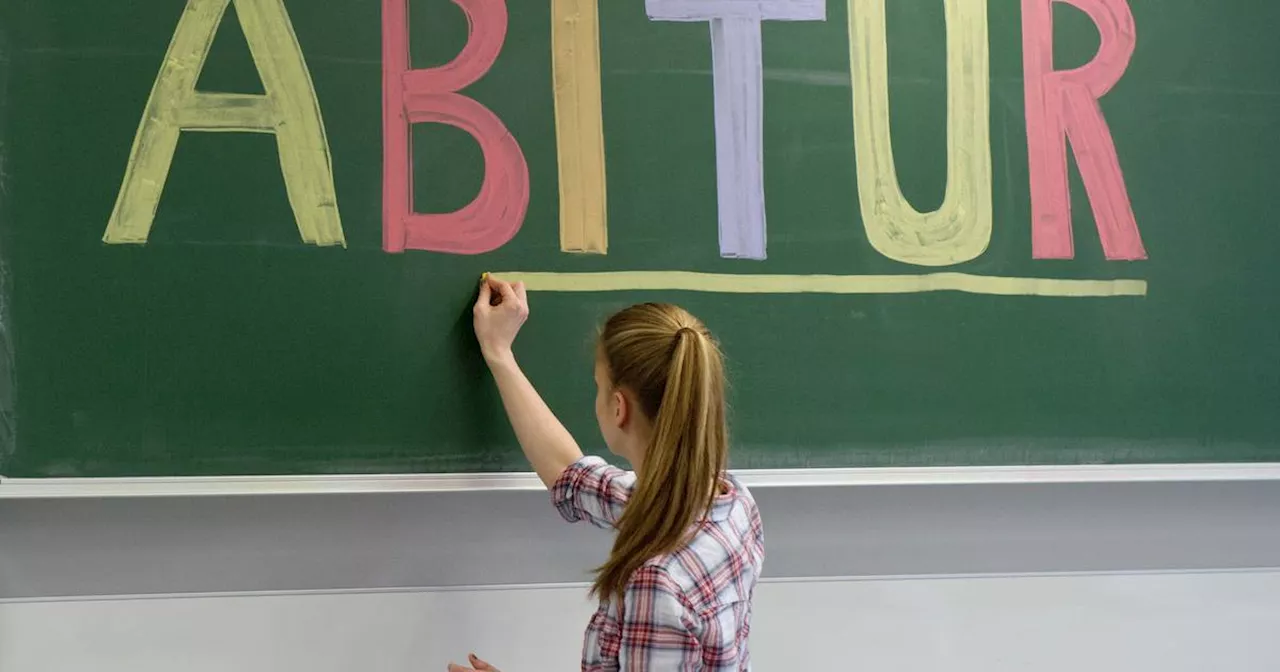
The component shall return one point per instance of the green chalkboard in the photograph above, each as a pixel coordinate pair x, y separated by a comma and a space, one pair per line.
226, 344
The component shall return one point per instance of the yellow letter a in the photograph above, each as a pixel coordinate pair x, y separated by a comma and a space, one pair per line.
289, 110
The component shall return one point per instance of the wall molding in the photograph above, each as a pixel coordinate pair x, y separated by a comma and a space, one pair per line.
584, 586
224, 486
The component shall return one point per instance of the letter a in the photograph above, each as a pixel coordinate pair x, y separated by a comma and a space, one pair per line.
288, 110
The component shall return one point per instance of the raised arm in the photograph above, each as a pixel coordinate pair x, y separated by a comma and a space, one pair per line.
498, 315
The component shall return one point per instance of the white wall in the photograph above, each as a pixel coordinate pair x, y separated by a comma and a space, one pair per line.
1084, 577
1167, 622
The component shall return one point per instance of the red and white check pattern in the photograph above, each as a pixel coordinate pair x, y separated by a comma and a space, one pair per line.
687, 610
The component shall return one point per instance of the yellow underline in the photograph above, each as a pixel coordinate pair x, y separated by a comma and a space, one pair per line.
731, 283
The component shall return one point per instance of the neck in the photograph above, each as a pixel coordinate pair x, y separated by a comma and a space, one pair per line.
635, 451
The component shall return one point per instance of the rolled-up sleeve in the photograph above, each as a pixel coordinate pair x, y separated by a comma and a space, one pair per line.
592, 490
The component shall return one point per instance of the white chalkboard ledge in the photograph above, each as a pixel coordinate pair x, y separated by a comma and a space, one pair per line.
223, 486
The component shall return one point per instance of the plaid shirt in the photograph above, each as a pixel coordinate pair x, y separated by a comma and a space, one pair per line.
687, 610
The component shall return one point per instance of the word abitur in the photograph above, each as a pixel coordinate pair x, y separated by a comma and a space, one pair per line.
1061, 106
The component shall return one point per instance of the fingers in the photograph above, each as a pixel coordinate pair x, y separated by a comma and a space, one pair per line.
477, 665
500, 309
500, 292
495, 289
486, 295
493, 283
508, 292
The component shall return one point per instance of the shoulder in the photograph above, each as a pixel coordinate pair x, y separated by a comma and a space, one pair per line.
739, 493
737, 515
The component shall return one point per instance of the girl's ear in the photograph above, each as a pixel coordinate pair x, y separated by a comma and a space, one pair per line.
621, 409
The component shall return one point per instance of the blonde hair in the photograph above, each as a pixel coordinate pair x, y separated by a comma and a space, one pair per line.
668, 360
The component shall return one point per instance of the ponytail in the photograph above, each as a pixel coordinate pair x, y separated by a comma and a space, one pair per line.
672, 364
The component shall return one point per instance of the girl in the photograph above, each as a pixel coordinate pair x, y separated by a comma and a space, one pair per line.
675, 593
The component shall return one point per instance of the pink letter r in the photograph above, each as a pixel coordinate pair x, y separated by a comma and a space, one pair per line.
1064, 104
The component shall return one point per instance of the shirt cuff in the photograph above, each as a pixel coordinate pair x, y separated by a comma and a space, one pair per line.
567, 486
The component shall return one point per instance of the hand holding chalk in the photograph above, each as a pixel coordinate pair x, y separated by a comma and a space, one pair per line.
500, 311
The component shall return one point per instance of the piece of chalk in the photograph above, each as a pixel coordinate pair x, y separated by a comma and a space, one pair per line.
484, 276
